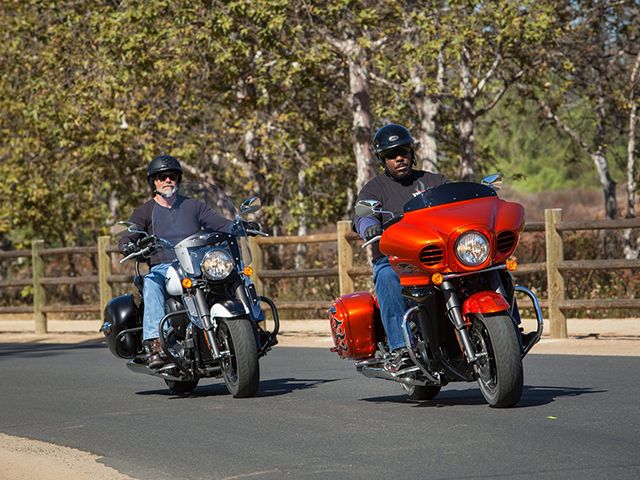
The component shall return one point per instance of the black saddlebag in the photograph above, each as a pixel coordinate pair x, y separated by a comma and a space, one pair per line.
121, 314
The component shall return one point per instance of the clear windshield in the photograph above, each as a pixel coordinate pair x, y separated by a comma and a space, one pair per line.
243, 241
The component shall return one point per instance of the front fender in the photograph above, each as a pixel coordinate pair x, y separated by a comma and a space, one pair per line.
485, 303
228, 309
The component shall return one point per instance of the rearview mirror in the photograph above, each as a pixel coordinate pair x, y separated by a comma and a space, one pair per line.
122, 227
367, 208
494, 181
250, 205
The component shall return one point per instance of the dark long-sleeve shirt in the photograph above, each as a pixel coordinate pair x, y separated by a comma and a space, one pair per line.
185, 217
393, 194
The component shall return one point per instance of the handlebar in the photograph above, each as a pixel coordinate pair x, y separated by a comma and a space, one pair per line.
257, 233
140, 253
371, 240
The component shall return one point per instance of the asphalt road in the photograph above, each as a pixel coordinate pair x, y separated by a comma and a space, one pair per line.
317, 418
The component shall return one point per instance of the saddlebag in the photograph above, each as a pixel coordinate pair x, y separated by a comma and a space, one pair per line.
122, 313
355, 325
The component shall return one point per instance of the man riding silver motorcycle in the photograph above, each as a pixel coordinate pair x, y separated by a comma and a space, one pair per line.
173, 217
198, 269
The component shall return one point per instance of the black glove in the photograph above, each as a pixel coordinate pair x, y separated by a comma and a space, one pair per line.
372, 231
251, 225
129, 248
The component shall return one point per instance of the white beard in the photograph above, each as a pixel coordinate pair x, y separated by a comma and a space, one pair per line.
168, 193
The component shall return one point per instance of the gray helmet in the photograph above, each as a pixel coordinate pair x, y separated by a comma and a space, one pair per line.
389, 137
160, 164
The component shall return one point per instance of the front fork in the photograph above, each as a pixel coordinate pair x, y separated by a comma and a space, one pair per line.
208, 324
454, 312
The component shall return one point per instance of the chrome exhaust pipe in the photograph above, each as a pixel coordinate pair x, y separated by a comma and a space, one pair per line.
376, 372
162, 373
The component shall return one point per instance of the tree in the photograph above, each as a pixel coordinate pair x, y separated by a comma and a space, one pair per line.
588, 72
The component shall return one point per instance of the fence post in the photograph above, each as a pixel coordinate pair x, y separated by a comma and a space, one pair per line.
555, 282
39, 297
257, 256
104, 271
345, 257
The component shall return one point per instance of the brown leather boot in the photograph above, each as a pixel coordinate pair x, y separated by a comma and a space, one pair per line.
157, 357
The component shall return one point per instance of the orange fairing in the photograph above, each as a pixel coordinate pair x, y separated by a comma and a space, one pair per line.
423, 241
352, 319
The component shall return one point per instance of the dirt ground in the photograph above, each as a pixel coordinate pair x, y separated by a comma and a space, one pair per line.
26, 459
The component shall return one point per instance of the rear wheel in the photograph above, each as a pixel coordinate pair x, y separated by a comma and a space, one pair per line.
420, 392
499, 364
181, 387
240, 369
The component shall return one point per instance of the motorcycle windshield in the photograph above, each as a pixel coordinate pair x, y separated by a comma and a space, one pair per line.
449, 193
165, 252
243, 241
192, 249
173, 244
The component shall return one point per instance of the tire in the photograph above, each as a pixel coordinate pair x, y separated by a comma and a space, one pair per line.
240, 370
499, 364
181, 387
421, 393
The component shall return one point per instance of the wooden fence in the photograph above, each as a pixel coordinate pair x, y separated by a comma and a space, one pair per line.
555, 267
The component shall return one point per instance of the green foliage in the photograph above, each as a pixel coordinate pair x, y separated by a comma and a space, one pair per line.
253, 96
532, 156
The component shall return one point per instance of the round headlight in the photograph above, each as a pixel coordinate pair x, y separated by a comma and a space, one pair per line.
217, 264
472, 248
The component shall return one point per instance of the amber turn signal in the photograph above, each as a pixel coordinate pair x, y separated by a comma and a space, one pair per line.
437, 278
248, 271
511, 264
187, 283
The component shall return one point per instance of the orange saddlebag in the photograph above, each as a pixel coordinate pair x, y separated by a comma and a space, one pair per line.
353, 325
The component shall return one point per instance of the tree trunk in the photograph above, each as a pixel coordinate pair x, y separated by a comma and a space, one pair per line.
427, 108
360, 100
466, 124
631, 251
301, 249
600, 160
607, 184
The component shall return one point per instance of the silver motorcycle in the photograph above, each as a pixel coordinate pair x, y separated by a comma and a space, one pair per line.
214, 322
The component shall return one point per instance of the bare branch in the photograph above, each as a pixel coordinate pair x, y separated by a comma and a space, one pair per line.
496, 98
490, 73
384, 81
551, 115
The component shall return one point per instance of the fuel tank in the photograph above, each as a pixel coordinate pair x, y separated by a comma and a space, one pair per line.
355, 325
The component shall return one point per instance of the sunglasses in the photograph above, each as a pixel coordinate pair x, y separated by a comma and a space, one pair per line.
161, 177
396, 152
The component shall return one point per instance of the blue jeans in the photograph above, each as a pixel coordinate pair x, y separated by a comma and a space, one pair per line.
392, 305
154, 294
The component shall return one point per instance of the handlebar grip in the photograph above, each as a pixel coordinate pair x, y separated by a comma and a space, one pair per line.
146, 241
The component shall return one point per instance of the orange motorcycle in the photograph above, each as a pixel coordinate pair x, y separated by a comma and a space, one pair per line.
451, 248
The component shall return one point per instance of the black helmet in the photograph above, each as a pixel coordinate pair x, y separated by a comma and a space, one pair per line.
163, 163
391, 136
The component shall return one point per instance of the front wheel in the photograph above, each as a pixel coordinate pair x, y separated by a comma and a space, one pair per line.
240, 368
499, 363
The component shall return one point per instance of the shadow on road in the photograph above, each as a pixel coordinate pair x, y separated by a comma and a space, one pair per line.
282, 386
35, 350
268, 388
532, 396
